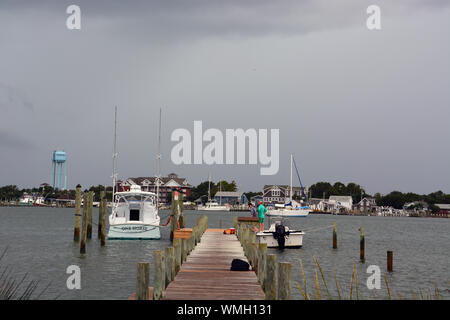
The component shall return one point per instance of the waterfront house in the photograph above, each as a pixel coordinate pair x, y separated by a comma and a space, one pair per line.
366, 204
279, 194
444, 210
231, 198
167, 184
341, 203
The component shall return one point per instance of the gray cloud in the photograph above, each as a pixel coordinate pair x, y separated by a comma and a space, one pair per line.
352, 105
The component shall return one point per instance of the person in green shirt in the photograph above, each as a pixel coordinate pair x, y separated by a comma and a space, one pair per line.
261, 211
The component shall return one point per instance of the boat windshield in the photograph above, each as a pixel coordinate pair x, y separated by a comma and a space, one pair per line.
133, 198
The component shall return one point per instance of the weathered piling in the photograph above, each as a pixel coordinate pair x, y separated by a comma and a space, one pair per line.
170, 265
390, 261
103, 219
183, 250
89, 214
100, 213
142, 281
270, 281
262, 255
76, 231
159, 282
361, 245
178, 259
84, 224
284, 281
335, 236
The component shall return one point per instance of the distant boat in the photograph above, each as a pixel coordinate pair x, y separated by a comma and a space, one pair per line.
134, 213
212, 205
290, 208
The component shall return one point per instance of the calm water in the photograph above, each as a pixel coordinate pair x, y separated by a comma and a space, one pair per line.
40, 243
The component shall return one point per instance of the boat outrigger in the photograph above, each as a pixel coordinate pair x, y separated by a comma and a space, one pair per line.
134, 213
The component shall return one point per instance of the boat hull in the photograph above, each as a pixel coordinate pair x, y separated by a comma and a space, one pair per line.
131, 231
288, 213
213, 209
294, 240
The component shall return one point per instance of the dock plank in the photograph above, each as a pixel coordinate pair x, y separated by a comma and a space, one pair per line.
206, 274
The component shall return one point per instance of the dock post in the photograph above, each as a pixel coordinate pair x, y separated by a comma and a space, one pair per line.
335, 236
159, 282
284, 281
390, 261
177, 247
183, 250
89, 217
262, 253
103, 218
100, 213
76, 231
270, 286
254, 250
220, 223
84, 224
142, 281
170, 265
362, 245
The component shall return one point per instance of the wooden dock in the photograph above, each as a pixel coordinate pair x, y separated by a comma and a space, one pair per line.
206, 275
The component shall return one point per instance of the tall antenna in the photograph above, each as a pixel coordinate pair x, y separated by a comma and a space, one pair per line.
114, 174
158, 165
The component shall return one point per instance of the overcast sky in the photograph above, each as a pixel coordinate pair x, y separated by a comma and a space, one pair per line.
351, 104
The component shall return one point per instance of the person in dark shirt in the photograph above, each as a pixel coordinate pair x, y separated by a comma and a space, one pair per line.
252, 210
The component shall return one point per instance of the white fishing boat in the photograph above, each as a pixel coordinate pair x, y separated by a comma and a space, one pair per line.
134, 213
290, 208
212, 205
279, 235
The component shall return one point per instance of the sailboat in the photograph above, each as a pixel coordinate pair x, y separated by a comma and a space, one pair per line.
134, 213
290, 208
212, 205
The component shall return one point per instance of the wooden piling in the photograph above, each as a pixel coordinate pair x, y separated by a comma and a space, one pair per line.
284, 281
270, 286
361, 245
159, 282
142, 281
183, 250
177, 247
84, 224
100, 213
89, 214
220, 223
335, 236
76, 231
103, 230
390, 261
170, 265
262, 255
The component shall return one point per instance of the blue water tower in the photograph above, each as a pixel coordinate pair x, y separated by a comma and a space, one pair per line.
59, 170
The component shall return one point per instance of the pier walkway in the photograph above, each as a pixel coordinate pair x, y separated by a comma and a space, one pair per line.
206, 275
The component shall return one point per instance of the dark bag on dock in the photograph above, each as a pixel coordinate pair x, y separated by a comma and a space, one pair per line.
239, 265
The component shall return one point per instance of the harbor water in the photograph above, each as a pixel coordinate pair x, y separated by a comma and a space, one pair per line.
39, 243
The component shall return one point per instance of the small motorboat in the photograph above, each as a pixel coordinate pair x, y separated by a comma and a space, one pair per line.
280, 236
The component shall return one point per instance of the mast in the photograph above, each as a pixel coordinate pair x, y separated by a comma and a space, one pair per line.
220, 191
158, 174
209, 187
290, 192
114, 174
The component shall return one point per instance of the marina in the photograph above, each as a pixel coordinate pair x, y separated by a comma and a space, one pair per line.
109, 272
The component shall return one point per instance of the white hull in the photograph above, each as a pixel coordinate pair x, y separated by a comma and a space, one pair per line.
294, 239
213, 208
289, 212
134, 231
